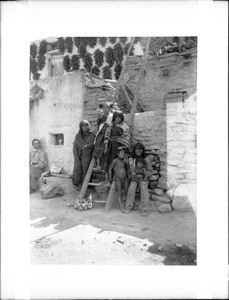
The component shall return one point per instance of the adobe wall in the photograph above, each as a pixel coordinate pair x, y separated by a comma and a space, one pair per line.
163, 74
60, 111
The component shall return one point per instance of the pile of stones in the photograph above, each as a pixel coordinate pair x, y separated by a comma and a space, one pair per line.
161, 200
156, 167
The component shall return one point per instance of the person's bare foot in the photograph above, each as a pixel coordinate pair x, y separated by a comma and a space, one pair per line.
126, 210
145, 212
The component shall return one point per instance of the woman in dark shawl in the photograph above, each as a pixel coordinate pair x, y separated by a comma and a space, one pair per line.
82, 150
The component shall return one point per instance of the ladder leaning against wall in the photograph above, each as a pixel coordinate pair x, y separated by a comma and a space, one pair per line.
110, 200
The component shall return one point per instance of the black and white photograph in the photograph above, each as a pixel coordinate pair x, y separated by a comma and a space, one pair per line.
113, 158
114, 150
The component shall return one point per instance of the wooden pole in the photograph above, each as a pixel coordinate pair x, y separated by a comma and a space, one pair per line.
111, 197
127, 96
123, 69
87, 178
137, 89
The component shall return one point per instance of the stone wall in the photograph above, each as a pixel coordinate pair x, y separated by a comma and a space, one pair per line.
59, 112
163, 74
172, 135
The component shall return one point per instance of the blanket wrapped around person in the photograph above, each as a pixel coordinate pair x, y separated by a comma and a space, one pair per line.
82, 150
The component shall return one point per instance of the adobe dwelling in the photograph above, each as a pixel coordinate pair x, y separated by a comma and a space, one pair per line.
165, 121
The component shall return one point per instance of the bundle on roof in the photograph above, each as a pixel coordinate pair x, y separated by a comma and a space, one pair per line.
93, 81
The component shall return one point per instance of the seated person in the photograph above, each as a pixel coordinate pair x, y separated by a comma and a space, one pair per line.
38, 162
139, 180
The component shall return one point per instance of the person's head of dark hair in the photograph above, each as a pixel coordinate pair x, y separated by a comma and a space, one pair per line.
101, 105
140, 159
121, 148
119, 114
82, 123
35, 140
139, 145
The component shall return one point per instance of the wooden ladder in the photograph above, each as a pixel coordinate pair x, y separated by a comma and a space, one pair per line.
111, 199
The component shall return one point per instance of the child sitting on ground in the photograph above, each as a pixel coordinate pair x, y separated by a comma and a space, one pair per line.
120, 167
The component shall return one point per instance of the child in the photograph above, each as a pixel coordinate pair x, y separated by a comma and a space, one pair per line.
103, 122
120, 165
140, 173
138, 180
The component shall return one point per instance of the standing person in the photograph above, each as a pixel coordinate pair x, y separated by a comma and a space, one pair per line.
138, 154
82, 150
38, 162
116, 135
120, 168
103, 123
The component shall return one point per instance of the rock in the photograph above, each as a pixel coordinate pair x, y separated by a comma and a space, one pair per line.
152, 178
164, 208
159, 248
167, 183
120, 240
158, 192
157, 203
178, 245
170, 193
191, 175
164, 199
155, 147
189, 158
172, 162
184, 197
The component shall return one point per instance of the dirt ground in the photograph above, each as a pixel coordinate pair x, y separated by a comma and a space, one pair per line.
64, 235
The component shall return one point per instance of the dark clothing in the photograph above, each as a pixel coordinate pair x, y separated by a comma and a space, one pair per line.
82, 151
99, 141
117, 137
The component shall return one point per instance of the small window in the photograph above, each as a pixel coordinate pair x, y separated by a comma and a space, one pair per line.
174, 100
57, 139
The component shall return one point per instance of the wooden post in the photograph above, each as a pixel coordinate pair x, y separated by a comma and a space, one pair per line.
137, 89
111, 199
123, 69
125, 92
87, 178
128, 98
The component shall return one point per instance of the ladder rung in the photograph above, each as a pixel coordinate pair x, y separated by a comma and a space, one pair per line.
99, 184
